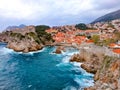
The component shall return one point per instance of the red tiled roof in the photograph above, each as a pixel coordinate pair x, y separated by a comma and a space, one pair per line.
112, 45
89, 41
116, 51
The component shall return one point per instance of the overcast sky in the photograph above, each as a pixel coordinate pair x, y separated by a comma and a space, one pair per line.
53, 12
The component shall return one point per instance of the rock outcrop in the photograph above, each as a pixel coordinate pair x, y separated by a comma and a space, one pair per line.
106, 69
26, 39
59, 49
24, 46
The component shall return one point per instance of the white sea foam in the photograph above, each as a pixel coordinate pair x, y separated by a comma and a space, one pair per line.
5, 50
66, 57
64, 61
83, 82
69, 53
70, 88
31, 53
76, 64
36, 51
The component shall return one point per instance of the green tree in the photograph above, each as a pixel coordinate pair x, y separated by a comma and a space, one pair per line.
81, 26
96, 38
108, 41
34, 36
17, 35
43, 36
40, 30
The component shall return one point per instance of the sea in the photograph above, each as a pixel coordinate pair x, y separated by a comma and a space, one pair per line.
41, 70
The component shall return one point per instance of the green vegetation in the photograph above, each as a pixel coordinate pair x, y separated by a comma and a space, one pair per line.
34, 36
81, 26
96, 38
39, 36
106, 62
43, 36
40, 30
97, 41
17, 35
107, 41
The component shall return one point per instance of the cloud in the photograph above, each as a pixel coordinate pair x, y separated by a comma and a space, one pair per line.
17, 9
53, 12
106, 4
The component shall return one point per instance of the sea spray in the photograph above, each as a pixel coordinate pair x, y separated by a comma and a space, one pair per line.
5, 50
81, 77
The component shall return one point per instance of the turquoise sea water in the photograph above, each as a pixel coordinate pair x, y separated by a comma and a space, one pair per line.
42, 70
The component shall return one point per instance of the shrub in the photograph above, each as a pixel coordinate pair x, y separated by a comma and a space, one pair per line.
81, 26
95, 38
40, 30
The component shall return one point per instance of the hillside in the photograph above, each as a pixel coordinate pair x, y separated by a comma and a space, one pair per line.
108, 17
29, 38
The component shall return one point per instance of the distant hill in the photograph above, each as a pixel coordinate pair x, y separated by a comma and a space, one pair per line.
14, 27
108, 17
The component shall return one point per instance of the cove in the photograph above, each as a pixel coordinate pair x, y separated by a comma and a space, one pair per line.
41, 70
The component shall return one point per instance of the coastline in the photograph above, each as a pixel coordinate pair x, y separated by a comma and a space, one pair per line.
105, 67
59, 62
93, 62
101, 62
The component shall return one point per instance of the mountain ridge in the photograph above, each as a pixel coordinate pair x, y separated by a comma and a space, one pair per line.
108, 17
14, 27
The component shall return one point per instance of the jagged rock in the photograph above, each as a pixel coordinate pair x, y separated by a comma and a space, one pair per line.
96, 76
77, 58
59, 50
88, 68
24, 46
105, 68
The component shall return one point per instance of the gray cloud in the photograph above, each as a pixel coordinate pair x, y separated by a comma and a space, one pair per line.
106, 4
53, 12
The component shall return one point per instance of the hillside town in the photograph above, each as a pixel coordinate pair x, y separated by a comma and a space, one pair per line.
99, 51
104, 30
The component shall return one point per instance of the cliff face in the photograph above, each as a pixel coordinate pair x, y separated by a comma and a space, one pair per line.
105, 68
26, 39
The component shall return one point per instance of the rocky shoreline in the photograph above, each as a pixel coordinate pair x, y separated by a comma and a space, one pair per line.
106, 69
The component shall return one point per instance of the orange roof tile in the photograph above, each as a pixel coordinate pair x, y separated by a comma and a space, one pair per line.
116, 51
89, 41
112, 45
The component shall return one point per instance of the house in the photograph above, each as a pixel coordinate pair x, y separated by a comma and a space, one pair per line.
117, 52
92, 32
113, 45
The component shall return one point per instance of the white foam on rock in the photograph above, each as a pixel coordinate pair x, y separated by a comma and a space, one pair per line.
5, 50
78, 64
31, 53
82, 82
